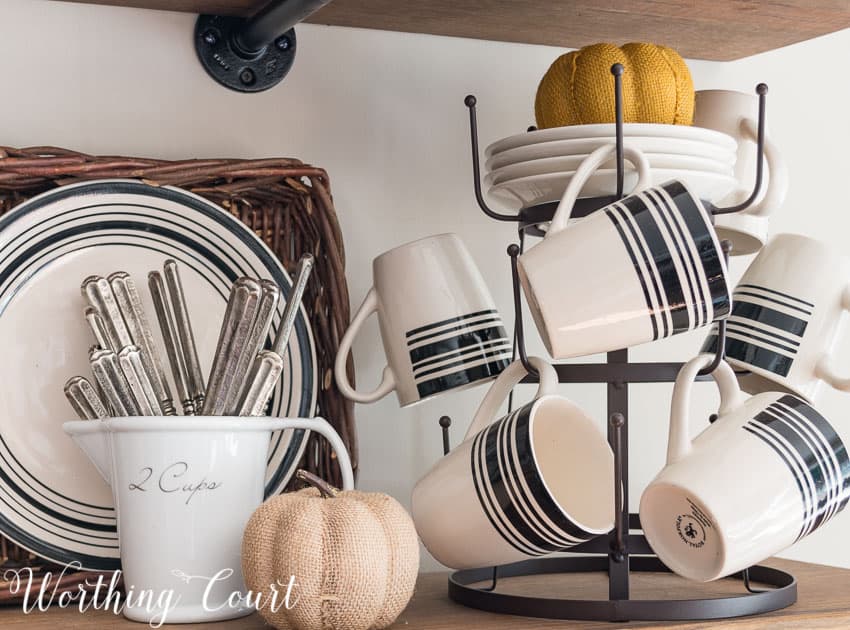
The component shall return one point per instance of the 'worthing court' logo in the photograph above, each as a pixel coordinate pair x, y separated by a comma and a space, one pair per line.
105, 593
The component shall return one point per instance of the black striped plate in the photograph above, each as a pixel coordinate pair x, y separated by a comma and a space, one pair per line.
52, 501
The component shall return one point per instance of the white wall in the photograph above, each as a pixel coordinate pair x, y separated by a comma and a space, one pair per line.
383, 113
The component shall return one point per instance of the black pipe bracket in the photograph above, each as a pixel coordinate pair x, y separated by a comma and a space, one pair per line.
252, 54
235, 67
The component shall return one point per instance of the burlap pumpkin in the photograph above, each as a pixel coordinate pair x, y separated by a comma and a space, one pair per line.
354, 555
578, 88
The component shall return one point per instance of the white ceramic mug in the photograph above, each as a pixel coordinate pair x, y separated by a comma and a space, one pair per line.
644, 268
767, 473
787, 318
184, 489
736, 114
439, 325
538, 480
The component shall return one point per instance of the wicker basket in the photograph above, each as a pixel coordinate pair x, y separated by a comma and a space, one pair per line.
288, 205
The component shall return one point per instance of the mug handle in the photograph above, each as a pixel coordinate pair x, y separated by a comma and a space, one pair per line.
502, 386
679, 441
322, 427
777, 187
823, 369
586, 169
388, 383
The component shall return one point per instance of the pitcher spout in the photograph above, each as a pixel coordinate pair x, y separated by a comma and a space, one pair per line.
91, 436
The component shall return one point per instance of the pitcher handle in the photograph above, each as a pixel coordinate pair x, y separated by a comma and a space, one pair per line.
323, 427
502, 386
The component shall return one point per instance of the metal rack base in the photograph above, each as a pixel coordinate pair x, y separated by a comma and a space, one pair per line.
782, 595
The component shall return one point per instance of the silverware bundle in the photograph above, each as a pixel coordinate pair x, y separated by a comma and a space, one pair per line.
129, 376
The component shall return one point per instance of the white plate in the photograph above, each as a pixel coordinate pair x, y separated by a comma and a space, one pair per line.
583, 146
684, 132
52, 500
536, 189
567, 164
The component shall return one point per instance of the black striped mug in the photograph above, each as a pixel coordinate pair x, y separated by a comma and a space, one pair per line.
768, 472
786, 319
439, 325
644, 268
538, 480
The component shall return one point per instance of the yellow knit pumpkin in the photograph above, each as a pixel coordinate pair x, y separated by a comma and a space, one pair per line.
353, 558
578, 88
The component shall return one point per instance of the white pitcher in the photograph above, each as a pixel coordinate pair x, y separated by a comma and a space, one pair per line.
184, 489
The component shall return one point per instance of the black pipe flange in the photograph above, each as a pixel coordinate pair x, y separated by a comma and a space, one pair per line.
234, 67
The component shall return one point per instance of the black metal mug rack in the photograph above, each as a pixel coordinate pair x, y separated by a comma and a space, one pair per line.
621, 552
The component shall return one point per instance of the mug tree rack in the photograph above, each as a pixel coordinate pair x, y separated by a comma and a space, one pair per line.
621, 552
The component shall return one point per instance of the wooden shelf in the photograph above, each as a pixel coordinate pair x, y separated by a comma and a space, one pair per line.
719, 30
822, 604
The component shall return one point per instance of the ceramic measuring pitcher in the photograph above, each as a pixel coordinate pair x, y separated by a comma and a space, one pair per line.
184, 488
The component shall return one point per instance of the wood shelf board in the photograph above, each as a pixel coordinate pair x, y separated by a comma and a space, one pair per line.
823, 604
212, 7
719, 30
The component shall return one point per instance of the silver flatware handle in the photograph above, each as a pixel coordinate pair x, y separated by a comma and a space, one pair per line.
107, 373
130, 361
98, 292
172, 340
269, 297
264, 374
184, 330
98, 328
85, 399
239, 317
290, 312
130, 304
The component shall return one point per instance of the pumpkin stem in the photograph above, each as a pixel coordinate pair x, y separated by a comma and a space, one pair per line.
327, 490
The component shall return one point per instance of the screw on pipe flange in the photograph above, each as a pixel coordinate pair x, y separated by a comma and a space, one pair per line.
247, 76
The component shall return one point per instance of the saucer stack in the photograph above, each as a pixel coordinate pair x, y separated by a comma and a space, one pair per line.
533, 168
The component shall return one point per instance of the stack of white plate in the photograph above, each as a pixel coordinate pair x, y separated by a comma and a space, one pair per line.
535, 167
